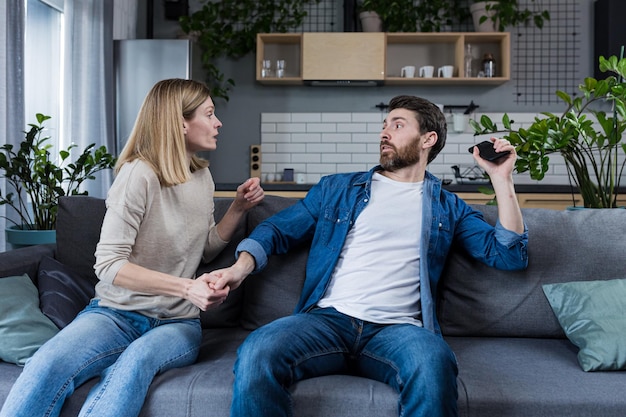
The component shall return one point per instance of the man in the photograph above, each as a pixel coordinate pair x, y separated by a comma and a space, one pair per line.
379, 243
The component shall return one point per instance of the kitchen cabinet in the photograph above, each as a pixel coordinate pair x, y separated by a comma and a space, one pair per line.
380, 56
343, 56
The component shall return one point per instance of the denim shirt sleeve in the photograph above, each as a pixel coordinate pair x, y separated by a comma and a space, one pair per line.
508, 237
255, 249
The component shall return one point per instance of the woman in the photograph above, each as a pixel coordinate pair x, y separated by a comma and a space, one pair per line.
144, 318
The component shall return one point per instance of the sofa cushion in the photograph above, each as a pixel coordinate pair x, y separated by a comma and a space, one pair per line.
78, 231
274, 292
593, 316
522, 377
62, 292
23, 327
476, 300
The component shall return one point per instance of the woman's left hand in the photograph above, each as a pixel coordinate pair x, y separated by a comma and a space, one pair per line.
249, 194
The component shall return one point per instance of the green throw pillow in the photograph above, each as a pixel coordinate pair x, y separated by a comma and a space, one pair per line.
593, 316
23, 327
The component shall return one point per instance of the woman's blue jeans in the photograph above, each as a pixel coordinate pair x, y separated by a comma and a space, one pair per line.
417, 363
125, 349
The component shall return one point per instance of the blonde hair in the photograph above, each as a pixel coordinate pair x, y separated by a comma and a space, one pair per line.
158, 137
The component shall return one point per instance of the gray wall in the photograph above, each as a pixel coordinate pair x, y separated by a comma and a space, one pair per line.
241, 115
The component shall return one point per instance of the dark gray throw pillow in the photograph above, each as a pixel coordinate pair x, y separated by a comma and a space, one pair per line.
62, 292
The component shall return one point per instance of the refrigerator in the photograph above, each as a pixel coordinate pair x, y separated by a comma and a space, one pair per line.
139, 64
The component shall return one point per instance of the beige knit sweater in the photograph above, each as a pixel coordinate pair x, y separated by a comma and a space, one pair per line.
166, 229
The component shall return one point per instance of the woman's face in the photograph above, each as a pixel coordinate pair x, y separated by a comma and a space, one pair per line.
202, 129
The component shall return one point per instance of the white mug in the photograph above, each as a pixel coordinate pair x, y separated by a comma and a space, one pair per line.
446, 71
427, 71
300, 178
407, 72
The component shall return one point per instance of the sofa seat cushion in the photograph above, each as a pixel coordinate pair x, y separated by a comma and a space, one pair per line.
205, 388
532, 377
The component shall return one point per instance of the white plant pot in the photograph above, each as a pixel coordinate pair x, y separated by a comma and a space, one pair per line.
371, 22
479, 10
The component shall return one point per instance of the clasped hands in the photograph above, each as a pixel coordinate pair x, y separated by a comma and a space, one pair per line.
204, 295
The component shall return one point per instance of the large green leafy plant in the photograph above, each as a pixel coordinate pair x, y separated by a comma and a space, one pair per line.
588, 135
37, 179
228, 29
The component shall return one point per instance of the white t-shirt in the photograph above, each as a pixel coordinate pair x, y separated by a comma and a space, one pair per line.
377, 276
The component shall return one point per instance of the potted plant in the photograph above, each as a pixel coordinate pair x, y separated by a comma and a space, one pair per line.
228, 29
491, 16
35, 179
411, 16
371, 20
586, 135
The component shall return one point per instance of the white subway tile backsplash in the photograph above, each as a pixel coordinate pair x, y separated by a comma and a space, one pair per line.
306, 117
352, 127
290, 148
336, 117
375, 118
324, 143
275, 138
291, 127
336, 158
306, 157
321, 127
306, 137
352, 148
275, 117
321, 148
336, 137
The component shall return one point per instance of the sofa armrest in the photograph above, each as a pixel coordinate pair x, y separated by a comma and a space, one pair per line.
24, 260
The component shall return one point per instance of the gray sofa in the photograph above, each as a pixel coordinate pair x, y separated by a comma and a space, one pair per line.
514, 359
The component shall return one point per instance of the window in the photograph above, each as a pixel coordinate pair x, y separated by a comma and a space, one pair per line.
43, 64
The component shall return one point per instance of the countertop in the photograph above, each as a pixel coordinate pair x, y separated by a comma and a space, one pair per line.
457, 188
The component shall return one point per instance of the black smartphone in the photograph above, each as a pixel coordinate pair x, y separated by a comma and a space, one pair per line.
487, 152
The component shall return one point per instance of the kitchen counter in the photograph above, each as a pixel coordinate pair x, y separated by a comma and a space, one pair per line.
455, 188
557, 197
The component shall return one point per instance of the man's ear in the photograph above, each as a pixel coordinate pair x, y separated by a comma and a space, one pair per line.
430, 139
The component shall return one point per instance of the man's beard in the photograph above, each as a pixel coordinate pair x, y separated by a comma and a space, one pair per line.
400, 158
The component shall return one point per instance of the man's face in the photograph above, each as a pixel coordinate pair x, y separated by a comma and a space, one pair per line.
400, 140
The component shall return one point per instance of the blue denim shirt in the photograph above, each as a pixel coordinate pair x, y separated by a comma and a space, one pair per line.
330, 209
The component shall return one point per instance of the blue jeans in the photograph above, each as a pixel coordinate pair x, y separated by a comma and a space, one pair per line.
125, 349
416, 362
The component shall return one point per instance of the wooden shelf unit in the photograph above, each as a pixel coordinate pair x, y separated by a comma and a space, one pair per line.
380, 56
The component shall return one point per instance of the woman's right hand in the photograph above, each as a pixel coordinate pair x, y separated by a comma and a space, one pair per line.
202, 293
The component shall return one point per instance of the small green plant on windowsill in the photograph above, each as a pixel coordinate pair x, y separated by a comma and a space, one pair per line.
589, 139
36, 179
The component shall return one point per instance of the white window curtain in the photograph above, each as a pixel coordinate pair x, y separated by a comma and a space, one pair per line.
125, 19
12, 20
88, 87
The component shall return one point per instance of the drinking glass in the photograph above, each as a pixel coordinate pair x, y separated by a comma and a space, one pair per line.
266, 71
280, 68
